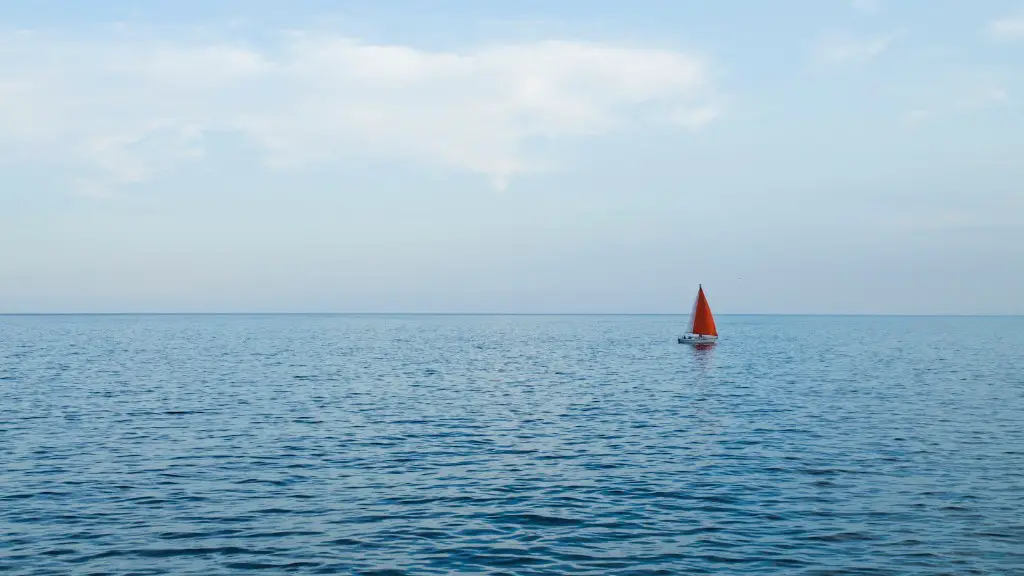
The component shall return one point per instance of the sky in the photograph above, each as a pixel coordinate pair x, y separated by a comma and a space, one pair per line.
521, 156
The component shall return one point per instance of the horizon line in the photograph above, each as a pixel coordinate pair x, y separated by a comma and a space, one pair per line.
722, 314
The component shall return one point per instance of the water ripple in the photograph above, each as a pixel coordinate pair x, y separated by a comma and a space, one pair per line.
510, 445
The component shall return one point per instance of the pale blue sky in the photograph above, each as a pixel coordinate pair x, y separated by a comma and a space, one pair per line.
527, 156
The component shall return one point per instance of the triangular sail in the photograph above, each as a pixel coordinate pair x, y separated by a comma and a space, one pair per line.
702, 322
693, 315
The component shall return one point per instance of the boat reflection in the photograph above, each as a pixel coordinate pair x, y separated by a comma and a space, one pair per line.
703, 354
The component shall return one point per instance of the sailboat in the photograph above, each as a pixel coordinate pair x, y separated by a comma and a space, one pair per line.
702, 328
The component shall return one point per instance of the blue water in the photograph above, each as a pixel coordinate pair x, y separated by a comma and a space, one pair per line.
510, 444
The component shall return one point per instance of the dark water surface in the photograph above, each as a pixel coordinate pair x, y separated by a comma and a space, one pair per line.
513, 445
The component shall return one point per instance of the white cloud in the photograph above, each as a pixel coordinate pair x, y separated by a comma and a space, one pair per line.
125, 107
842, 49
1008, 29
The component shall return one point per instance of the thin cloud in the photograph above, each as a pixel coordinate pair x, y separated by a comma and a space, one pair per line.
122, 109
1008, 29
917, 116
968, 97
866, 6
843, 49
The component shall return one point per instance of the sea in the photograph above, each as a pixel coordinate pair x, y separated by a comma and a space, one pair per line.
475, 444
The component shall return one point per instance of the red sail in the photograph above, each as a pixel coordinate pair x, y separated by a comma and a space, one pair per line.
703, 321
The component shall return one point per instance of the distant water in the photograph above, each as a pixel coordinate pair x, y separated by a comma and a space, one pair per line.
513, 445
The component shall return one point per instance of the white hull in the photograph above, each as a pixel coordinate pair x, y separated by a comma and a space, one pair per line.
697, 339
